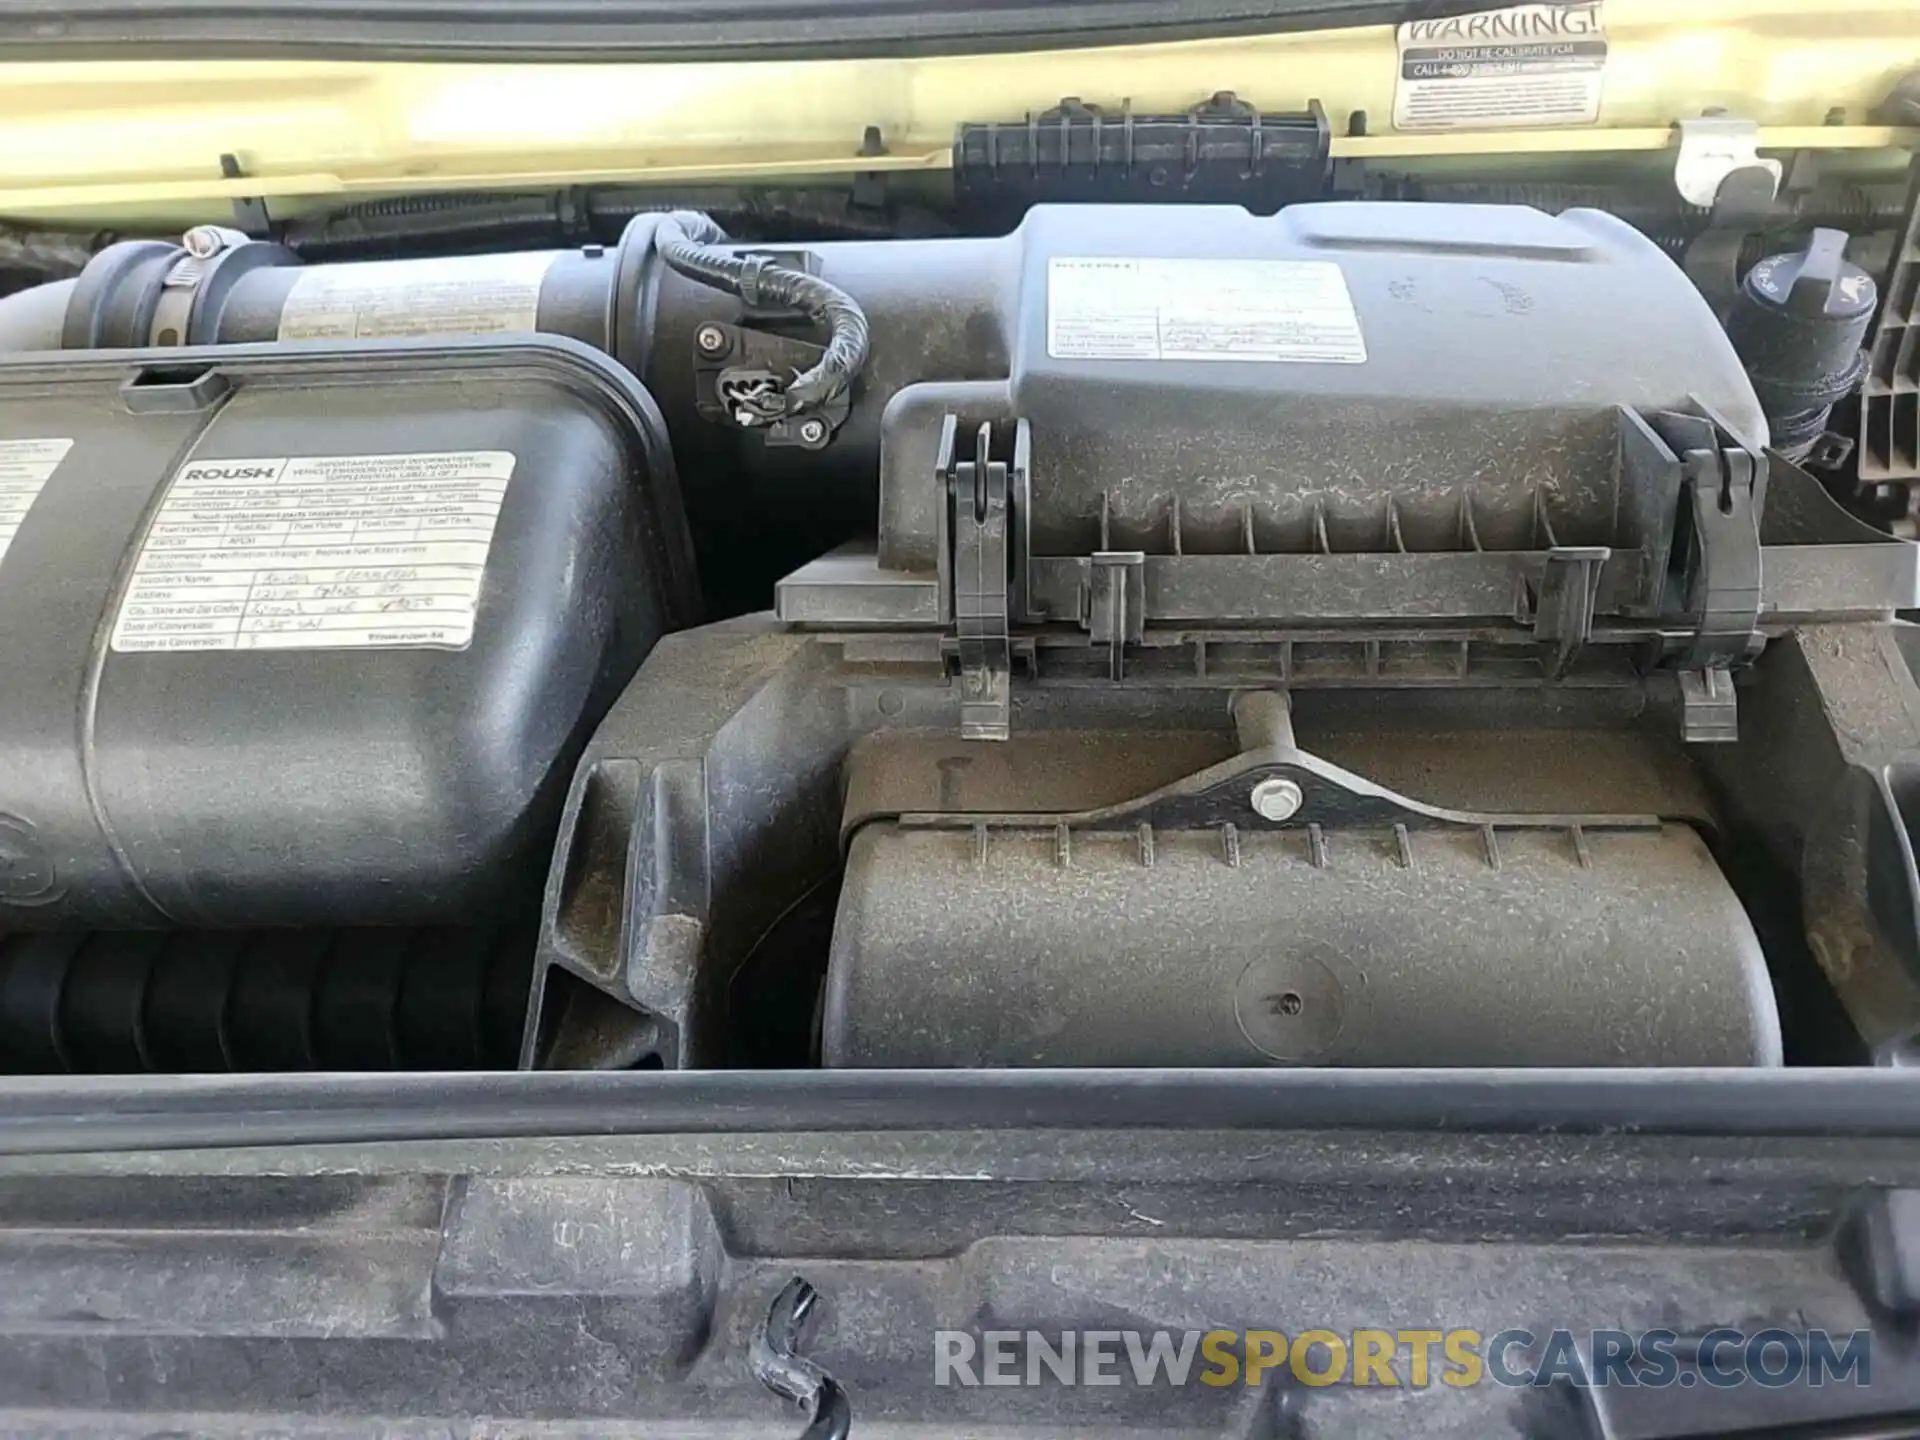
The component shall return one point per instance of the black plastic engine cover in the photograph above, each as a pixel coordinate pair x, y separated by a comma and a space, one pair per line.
292, 639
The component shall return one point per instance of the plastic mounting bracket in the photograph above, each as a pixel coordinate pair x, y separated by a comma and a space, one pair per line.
977, 491
1563, 614
1719, 170
1117, 604
1720, 486
1713, 147
1709, 714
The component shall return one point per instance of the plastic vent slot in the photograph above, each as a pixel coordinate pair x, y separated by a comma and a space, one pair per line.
1890, 403
1462, 523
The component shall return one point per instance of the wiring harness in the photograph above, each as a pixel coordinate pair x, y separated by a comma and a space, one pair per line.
690, 243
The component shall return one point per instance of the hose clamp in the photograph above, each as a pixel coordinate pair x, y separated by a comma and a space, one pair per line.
201, 247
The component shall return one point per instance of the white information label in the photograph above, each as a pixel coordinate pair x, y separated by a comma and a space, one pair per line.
317, 553
24, 468
1527, 65
1280, 310
386, 299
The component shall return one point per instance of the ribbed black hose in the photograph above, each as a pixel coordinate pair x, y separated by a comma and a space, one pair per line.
467, 221
129, 1002
689, 243
50, 254
425, 223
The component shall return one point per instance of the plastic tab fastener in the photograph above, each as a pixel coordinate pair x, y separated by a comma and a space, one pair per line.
977, 492
1563, 615
1117, 604
1725, 589
1727, 578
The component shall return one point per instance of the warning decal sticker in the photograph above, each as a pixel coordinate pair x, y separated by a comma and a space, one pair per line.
1527, 65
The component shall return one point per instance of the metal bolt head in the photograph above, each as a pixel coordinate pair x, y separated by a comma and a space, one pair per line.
1277, 798
812, 432
711, 339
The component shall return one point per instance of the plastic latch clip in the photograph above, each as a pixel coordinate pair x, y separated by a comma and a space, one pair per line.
977, 494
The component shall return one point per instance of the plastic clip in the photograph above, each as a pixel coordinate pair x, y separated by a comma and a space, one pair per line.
977, 495
776, 1366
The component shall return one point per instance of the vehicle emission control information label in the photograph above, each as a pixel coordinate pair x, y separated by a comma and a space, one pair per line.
1522, 66
24, 468
317, 553
389, 299
1127, 309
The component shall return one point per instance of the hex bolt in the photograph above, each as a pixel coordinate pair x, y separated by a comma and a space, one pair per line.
1277, 798
711, 339
812, 432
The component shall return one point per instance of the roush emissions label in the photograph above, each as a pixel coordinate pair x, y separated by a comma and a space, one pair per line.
316, 552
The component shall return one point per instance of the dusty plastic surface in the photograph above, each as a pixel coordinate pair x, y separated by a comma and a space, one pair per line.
950, 950
1486, 331
612, 1283
413, 779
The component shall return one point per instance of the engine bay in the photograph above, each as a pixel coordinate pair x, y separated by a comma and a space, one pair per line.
1396, 632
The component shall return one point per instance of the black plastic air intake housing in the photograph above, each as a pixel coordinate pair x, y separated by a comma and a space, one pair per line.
314, 638
1475, 322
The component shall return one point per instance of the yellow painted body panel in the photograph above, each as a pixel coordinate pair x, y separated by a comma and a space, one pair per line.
79, 136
